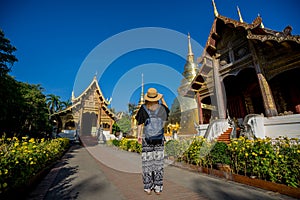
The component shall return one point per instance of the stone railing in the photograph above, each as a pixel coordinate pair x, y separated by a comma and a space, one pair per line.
273, 127
216, 128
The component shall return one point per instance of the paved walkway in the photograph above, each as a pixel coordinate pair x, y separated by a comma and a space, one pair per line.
101, 172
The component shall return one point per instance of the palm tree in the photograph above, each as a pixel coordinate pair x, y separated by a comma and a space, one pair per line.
53, 103
64, 104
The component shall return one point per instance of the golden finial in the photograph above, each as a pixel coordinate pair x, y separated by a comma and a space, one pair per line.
240, 15
143, 86
142, 92
190, 55
96, 74
215, 9
73, 96
190, 52
261, 24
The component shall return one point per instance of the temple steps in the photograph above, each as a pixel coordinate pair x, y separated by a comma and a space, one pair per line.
225, 137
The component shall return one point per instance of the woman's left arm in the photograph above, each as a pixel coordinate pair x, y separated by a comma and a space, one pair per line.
139, 133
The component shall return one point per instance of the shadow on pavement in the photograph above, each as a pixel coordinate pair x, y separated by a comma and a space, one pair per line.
55, 176
214, 188
77, 176
61, 187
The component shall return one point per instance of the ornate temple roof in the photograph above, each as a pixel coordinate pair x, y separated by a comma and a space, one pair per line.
255, 31
76, 101
94, 82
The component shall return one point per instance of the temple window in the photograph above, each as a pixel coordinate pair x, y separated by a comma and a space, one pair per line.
240, 52
224, 59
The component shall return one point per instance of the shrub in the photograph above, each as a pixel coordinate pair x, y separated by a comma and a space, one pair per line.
116, 142
220, 154
22, 159
171, 148
128, 145
276, 160
196, 152
123, 144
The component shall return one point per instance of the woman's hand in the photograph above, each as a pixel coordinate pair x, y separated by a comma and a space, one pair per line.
139, 139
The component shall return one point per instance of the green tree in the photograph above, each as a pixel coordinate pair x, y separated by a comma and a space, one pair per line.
35, 113
9, 88
10, 105
7, 59
125, 123
131, 108
22, 106
25, 110
115, 128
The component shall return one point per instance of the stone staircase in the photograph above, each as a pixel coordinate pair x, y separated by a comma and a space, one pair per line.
225, 137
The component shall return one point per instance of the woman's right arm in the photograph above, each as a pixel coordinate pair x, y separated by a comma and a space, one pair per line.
140, 119
163, 101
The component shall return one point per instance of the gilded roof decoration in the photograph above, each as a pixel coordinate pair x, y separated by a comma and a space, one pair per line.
255, 31
240, 15
252, 31
278, 37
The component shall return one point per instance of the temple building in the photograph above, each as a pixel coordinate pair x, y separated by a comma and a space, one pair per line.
184, 110
249, 73
89, 112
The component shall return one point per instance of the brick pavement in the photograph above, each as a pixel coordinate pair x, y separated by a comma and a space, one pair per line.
131, 186
123, 169
101, 172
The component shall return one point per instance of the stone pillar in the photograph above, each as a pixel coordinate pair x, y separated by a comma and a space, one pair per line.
80, 118
199, 105
98, 114
63, 123
268, 100
110, 127
219, 92
269, 104
231, 54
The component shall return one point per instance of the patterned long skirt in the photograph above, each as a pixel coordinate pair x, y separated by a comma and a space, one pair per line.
153, 165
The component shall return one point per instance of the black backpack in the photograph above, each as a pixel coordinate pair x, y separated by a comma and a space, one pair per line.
154, 125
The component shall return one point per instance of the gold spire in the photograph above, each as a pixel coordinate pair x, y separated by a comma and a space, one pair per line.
261, 24
190, 67
190, 55
95, 76
215, 9
73, 96
142, 101
240, 15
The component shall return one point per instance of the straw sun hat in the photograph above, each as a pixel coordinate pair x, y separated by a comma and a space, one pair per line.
152, 95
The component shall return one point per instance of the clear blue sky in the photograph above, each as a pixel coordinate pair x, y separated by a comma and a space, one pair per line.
54, 38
